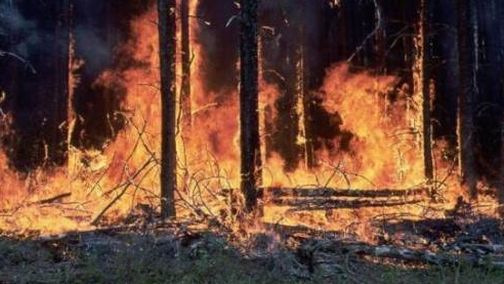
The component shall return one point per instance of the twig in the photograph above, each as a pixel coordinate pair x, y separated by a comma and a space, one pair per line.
128, 185
379, 24
19, 58
53, 199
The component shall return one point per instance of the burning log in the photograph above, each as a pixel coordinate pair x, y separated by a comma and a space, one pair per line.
325, 204
277, 192
323, 198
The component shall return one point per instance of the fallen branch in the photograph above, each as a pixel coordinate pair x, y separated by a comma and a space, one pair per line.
121, 194
20, 59
54, 199
378, 27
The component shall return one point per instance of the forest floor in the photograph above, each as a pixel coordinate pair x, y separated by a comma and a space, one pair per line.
174, 253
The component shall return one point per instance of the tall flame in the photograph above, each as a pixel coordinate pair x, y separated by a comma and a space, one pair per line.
380, 150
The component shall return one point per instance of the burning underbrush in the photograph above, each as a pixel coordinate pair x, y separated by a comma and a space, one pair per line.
365, 198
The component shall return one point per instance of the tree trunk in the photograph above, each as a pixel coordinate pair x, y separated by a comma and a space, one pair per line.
167, 53
52, 86
426, 28
249, 116
185, 92
468, 58
303, 93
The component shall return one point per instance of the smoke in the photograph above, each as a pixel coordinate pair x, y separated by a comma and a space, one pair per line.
13, 25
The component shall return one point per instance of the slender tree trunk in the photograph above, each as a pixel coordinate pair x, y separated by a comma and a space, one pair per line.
185, 92
71, 85
167, 53
249, 115
426, 28
57, 140
497, 60
468, 57
303, 94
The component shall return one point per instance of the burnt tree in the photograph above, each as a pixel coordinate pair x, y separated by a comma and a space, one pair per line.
60, 138
38, 89
302, 86
167, 53
185, 90
425, 30
249, 104
468, 60
445, 72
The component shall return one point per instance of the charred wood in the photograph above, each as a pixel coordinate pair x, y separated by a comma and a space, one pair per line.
249, 103
167, 53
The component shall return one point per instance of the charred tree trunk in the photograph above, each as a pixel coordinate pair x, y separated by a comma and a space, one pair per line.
249, 116
63, 32
500, 21
468, 60
426, 28
185, 91
167, 53
445, 72
303, 91
491, 87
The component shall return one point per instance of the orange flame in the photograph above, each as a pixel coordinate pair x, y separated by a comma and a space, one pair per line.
384, 151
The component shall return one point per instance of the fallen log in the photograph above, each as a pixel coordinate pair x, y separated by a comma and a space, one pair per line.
287, 231
277, 192
330, 247
325, 204
482, 248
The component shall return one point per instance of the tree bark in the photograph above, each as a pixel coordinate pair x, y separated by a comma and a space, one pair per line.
303, 94
426, 28
167, 53
468, 58
185, 92
249, 115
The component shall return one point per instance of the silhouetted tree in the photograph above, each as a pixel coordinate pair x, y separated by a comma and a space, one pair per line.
185, 90
249, 116
167, 53
425, 29
468, 58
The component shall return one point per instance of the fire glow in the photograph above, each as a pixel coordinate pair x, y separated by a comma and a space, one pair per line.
378, 147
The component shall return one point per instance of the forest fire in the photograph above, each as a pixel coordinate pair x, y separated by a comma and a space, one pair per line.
348, 143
